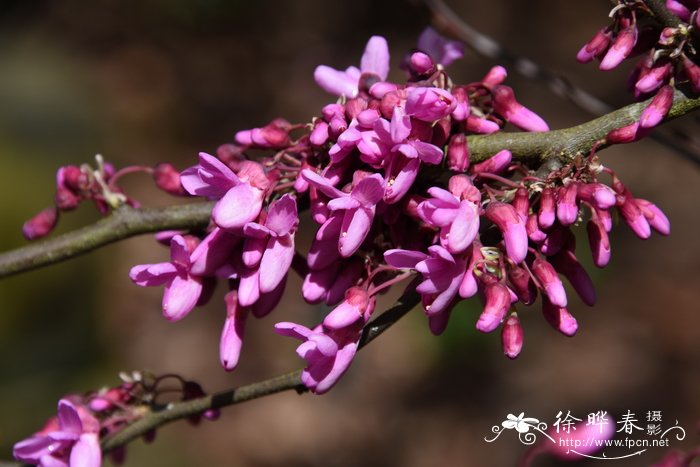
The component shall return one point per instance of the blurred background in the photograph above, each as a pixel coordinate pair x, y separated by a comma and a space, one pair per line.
155, 80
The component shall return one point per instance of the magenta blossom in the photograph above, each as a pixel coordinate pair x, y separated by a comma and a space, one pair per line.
73, 443
329, 348
443, 274
375, 61
182, 288
269, 247
240, 200
457, 220
355, 208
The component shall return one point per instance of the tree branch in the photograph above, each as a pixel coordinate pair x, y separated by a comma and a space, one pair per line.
161, 415
663, 15
567, 143
123, 223
534, 148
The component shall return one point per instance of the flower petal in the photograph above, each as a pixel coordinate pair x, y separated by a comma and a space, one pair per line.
240, 205
275, 262
336, 82
150, 275
282, 217
180, 296
86, 452
375, 58
356, 225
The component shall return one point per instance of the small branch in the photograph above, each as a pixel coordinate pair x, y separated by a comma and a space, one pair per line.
165, 414
663, 15
124, 223
567, 143
450, 24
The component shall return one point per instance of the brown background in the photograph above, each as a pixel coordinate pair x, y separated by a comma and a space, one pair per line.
143, 82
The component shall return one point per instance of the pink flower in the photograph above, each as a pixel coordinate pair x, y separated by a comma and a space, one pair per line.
356, 209
511, 226
457, 220
182, 288
429, 104
497, 300
443, 274
329, 348
240, 200
269, 247
512, 336
375, 61
504, 103
233, 331
73, 443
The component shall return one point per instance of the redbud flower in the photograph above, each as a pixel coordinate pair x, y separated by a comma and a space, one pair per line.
375, 60
168, 179
458, 153
494, 164
559, 317
429, 104
620, 49
182, 288
457, 220
550, 282
504, 103
74, 441
41, 224
546, 215
658, 108
497, 301
512, 336
233, 332
511, 226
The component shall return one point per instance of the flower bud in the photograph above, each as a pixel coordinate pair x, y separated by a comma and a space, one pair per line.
41, 224
567, 264
533, 230
504, 104
512, 227
654, 216
620, 49
168, 179
521, 203
497, 302
350, 311
512, 336
658, 108
657, 76
232, 332
567, 209
596, 46
546, 213
495, 76
494, 164
421, 64
549, 280
599, 195
429, 104
481, 125
559, 318
523, 285
65, 199
599, 242
458, 153
319, 135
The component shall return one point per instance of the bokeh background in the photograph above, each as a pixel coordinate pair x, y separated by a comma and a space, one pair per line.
155, 80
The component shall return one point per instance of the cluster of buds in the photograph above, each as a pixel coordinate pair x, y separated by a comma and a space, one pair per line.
385, 171
72, 437
668, 57
77, 184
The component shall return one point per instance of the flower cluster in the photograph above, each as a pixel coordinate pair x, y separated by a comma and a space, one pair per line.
668, 57
386, 174
72, 437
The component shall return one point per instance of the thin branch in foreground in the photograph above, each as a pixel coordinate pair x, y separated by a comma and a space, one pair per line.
125, 222
162, 415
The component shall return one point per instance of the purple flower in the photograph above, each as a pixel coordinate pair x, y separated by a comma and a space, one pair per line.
182, 288
511, 226
457, 220
268, 250
441, 50
329, 348
240, 201
375, 61
514, 112
497, 300
512, 336
356, 208
443, 274
429, 104
73, 443
233, 331
406, 154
